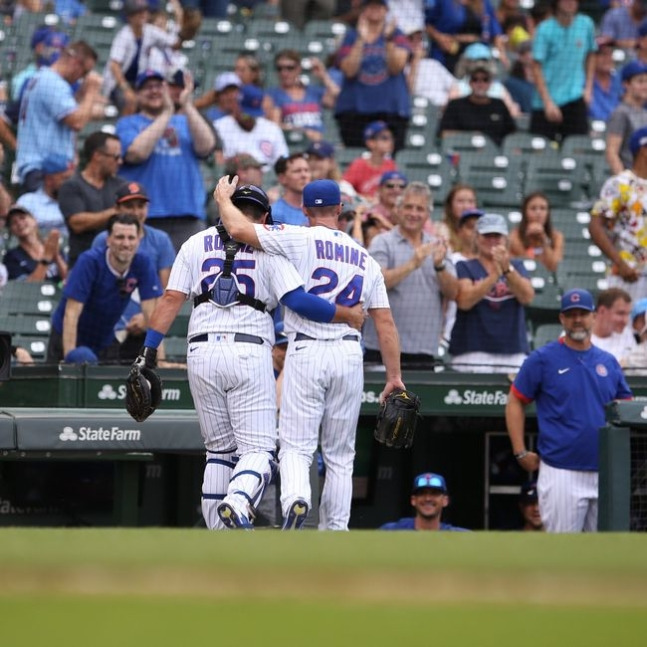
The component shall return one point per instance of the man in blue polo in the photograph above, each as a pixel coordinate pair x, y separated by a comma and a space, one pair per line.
96, 294
571, 381
429, 498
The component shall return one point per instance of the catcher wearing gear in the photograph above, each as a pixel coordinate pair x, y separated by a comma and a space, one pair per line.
397, 419
143, 386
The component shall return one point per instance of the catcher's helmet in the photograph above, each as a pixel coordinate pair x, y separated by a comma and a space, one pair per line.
255, 195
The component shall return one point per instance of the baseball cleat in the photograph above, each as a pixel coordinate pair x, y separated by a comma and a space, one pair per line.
232, 519
297, 515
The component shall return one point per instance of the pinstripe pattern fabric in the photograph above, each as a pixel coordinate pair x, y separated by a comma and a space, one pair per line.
232, 383
323, 377
568, 499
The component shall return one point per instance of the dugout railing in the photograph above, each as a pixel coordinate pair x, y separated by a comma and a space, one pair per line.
623, 467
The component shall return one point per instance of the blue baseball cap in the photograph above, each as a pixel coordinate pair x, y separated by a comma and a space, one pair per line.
639, 308
393, 175
251, 100
321, 193
55, 163
470, 213
631, 69
576, 298
429, 480
638, 140
81, 355
39, 35
477, 52
374, 129
147, 75
321, 149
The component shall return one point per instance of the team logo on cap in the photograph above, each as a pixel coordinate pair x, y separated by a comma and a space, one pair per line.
575, 298
318, 201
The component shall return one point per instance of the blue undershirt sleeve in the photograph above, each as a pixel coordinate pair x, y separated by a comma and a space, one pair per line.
309, 305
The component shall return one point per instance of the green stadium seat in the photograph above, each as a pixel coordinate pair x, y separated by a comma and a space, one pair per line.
175, 349
431, 168
27, 325
33, 298
36, 346
344, 156
525, 145
497, 179
546, 333
560, 177
469, 142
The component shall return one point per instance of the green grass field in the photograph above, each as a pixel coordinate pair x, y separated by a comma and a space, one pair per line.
180, 587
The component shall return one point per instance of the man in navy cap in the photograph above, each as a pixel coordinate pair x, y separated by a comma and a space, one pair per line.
428, 498
571, 382
529, 508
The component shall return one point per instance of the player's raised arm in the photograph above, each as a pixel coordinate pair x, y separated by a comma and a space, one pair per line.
237, 225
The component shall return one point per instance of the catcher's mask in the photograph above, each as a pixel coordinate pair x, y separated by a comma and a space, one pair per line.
255, 195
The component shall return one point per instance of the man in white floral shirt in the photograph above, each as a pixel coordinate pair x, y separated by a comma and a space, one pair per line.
619, 221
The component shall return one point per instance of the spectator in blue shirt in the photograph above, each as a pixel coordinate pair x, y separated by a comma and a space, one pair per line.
429, 498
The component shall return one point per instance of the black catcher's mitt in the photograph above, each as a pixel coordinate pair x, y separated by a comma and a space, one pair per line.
143, 391
397, 419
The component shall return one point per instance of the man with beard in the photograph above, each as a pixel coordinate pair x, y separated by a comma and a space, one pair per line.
429, 498
571, 382
162, 148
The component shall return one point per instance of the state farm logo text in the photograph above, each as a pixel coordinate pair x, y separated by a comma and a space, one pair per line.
109, 393
100, 434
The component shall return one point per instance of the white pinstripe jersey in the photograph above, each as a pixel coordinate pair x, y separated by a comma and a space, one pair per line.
259, 275
333, 266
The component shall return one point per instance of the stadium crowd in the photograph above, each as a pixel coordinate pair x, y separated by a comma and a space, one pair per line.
475, 146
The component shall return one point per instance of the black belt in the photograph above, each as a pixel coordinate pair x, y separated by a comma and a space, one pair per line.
301, 337
239, 336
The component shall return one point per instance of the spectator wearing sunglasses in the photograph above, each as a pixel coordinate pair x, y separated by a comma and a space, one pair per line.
87, 199
478, 111
296, 106
392, 184
429, 498
97, 293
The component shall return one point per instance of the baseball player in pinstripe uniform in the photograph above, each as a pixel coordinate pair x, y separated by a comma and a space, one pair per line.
323, 371
229, 360
570, 381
